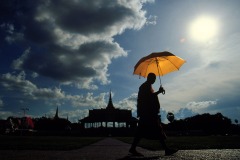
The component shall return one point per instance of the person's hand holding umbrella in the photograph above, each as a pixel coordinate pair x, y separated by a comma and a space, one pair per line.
161, 90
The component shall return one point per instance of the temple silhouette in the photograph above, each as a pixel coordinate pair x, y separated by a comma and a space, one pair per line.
109, 117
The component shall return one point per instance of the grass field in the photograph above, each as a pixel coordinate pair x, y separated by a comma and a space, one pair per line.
69, 143
191, 142
44, 142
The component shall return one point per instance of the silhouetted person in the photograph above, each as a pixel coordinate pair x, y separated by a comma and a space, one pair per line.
149, 125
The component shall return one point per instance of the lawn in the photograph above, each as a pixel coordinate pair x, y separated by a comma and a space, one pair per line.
69, 143
191, 142
44, 142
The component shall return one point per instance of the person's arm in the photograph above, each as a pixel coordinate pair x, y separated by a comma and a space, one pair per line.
161, 90
156, 93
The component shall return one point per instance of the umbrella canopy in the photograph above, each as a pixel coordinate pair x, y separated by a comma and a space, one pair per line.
159, 63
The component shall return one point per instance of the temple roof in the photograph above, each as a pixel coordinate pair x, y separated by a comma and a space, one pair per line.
110, 104
110, 114
56, 114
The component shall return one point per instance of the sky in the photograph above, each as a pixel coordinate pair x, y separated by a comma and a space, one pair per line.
70, 54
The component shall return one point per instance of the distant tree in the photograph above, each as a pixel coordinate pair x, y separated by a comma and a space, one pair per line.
52, 124
236, 121
212, 124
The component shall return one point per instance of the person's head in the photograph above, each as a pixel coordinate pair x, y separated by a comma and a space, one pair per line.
151, 78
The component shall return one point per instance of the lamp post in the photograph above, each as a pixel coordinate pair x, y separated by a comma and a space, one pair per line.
170, 117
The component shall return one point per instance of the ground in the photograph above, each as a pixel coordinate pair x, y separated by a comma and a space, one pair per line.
112, 149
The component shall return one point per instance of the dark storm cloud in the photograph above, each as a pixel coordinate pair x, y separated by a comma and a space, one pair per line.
58, 63
39, 35
66, 64
87, 17
70, 41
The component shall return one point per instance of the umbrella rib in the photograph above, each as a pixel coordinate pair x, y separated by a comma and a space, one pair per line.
155, 60
172, 63
147, 68
158, 68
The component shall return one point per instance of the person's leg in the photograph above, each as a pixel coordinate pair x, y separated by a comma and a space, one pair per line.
136, 140
168, 151
163, 143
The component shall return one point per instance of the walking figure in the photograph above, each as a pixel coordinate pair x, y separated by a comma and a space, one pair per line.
148, 108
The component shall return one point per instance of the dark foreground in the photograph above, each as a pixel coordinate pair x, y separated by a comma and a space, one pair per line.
112, 149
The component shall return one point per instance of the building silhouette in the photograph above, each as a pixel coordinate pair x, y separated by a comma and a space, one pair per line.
109, 117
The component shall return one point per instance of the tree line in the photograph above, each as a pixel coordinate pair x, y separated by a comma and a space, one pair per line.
202, 124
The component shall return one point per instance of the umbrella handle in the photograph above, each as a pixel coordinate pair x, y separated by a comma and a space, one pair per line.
162, 90
160, 80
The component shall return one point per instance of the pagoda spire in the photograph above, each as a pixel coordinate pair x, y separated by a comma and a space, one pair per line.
56, 115
110, 104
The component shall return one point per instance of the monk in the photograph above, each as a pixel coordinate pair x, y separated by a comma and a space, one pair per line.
148, 108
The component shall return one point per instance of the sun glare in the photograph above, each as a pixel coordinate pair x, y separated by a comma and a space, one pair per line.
204, 28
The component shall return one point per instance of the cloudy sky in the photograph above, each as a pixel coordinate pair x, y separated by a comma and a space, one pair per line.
71, 53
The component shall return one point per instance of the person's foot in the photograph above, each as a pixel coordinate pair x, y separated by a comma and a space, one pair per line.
169, 152
135, 153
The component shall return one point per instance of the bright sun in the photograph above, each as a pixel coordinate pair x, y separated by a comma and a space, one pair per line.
204, 28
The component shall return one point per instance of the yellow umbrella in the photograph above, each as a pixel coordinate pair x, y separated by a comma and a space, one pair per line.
159, 63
